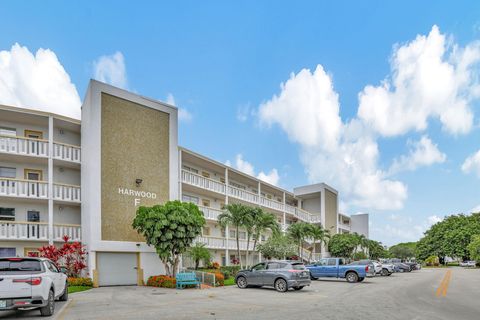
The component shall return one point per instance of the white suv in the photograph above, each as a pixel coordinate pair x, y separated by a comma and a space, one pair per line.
31, 282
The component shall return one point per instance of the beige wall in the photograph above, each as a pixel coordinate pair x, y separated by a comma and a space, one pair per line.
330, 211
134, 144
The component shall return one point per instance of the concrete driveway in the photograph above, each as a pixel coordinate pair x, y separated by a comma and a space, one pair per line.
400, 296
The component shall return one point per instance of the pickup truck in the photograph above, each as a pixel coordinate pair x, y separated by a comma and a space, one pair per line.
337, 268
31, 283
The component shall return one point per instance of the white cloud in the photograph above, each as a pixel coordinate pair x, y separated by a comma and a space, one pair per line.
271, 177
434, 219
344, 155
244, 112
422, 153
111, 69
475, 209
430, 78
472, 164
37, 82
183, 114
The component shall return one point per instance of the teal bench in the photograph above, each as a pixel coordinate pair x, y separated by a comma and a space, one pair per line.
186, 278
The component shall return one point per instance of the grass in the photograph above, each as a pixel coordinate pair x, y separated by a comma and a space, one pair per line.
73, 289
229, 282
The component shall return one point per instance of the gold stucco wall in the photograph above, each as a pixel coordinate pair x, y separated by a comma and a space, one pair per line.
330, 210
135, 144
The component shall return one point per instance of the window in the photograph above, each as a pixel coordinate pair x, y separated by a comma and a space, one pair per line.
242, 235
33, 216
222, 180
322, 262
51, 267
206, 231
7, 252
206, 202
7, 214
33, 134
31, 252
237, 185
273, 265
231, 234
224, 233
263, 237
187, 168
192, 199
258, 267
254, 191
6, 172
8, 131
205, 174
20, 265
33, 174
298, 266
332, 262
222, 205
224, 260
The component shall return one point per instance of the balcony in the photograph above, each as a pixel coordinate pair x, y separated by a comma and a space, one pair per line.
24, 146
32, 189
39, 148
222, 243
66, 152
66, 192
37, 231
215, 186
23, 188
209, 213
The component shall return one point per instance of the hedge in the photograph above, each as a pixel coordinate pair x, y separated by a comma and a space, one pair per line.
84, 282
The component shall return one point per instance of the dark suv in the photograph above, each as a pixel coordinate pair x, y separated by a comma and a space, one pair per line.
282, 275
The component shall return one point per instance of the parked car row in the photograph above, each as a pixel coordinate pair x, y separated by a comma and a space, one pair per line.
291, 274
468, 264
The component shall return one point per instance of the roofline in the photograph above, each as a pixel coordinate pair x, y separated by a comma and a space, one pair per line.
39, 113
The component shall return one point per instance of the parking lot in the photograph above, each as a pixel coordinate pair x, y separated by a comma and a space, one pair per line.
400, 296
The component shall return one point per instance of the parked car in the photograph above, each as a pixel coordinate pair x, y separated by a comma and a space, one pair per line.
468, 264
31, 283
402, 267
282, 275
336, 268
380, 268
413, 265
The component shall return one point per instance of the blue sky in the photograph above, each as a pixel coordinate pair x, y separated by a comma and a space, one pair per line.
222, 64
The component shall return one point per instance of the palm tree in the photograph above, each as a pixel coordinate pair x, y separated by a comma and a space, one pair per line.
250, 218
318, 233
198, 253
298, 232
234, 215
264, 221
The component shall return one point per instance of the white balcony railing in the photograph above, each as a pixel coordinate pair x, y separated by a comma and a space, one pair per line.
23, 146
209, 213
23, 188
202, 182
37, 231
222, 243
243, 194
272, 204
67, 152
66, 192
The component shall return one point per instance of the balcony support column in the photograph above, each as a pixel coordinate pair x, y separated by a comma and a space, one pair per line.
50, 180
227, 255
284, 215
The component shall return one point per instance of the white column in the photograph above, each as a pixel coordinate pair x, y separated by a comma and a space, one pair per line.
180, 194
227, 254
50, 180
284, 214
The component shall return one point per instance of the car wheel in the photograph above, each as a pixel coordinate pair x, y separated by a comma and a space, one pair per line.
281, 285
298, 288
49, 309
242, 282
361, 279
401, 270
312, 277
351, 277
384, 272
64, 296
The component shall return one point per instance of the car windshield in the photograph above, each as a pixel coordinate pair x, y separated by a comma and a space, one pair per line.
298, 266
19, 265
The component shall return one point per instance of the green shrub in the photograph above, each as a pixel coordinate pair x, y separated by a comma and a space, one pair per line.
359, 255
84, 282
232, 270
432, 261
161, 281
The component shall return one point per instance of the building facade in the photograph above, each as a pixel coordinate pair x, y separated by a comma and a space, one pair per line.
60, 176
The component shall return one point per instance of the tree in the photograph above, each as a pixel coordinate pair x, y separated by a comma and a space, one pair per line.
376, 250
449, 237
263, 222
403, 250
235, 215
170, 228
278, 246
474, 248
298, 232
71, 256
251, 215
199, 253
318, 233
343, 245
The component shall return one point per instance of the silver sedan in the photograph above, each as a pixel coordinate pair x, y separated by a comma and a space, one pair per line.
282, 275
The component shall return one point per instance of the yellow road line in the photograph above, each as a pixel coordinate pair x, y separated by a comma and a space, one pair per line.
443, 287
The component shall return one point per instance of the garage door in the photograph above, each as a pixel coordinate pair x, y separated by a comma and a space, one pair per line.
116, 269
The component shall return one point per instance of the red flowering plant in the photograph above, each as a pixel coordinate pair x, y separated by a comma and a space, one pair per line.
71, 256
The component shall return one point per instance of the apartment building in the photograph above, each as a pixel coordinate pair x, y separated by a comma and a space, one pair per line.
85, 180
